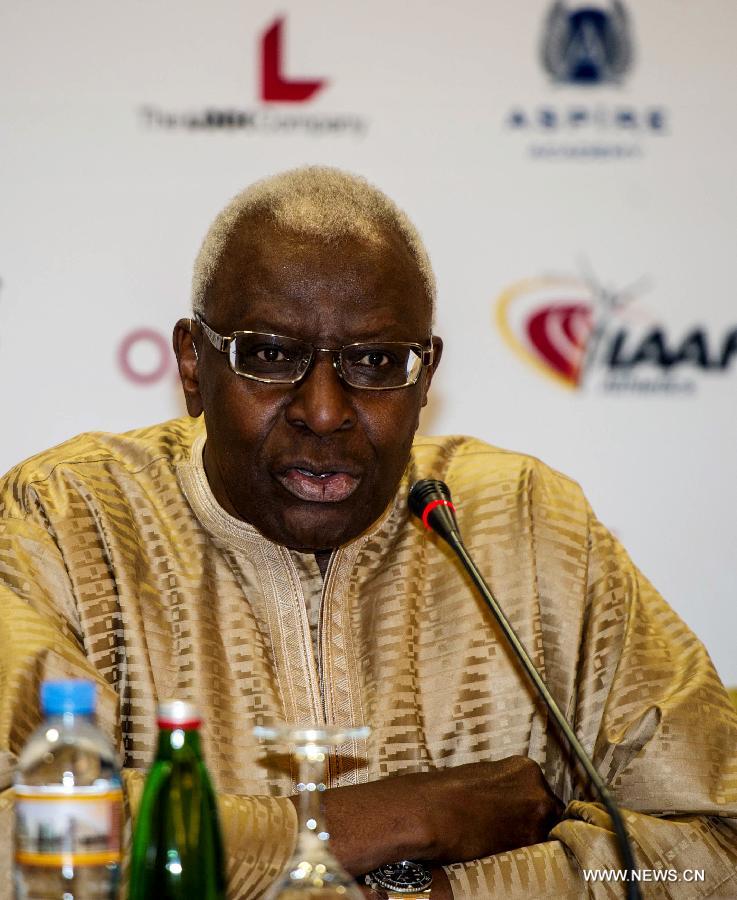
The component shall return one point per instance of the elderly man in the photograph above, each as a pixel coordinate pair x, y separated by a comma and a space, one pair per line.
263, 564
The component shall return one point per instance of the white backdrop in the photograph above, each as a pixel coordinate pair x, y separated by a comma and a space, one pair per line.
549, 208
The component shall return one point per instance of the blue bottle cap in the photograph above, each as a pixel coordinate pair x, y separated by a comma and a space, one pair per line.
59, 697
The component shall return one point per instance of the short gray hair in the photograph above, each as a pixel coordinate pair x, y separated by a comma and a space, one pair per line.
318, 201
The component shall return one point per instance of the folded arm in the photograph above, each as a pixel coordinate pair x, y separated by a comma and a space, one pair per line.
661, 730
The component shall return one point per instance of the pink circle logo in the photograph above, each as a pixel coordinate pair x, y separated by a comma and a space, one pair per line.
156, 353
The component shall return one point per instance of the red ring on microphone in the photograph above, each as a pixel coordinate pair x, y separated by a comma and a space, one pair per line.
431, 506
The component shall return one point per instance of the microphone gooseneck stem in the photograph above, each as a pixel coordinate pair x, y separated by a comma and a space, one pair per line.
447, 528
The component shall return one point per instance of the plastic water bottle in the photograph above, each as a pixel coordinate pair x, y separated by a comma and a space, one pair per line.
68, 802
177, 849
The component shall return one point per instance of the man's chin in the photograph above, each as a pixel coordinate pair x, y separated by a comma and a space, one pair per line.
311, 527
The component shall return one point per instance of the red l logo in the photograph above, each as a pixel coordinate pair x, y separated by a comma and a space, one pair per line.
275, 87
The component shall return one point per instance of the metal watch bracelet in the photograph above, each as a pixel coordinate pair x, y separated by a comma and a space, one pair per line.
403, 880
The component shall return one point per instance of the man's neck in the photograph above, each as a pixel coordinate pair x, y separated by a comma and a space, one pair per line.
322, 557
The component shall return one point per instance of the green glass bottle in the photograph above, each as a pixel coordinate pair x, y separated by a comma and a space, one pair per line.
177, 849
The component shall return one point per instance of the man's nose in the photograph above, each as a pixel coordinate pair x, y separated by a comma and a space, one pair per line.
321, 402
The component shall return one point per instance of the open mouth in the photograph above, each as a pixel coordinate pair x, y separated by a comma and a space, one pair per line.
318, 486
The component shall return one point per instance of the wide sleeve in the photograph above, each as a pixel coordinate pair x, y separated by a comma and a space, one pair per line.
653, 714
40, 639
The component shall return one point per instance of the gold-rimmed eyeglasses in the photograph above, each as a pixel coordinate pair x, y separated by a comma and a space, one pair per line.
276, 359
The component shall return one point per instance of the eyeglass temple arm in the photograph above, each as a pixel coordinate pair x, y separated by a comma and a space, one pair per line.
217, 340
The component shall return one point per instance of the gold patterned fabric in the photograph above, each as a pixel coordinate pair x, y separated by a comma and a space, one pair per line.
116, 563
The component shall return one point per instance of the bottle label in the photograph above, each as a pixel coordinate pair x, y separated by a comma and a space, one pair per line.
77, 827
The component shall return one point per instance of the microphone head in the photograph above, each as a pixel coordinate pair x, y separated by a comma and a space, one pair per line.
424, 492
429, 499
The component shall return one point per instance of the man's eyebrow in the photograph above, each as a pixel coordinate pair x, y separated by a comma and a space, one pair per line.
381, 326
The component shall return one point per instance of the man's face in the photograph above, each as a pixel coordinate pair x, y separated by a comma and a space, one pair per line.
311, 465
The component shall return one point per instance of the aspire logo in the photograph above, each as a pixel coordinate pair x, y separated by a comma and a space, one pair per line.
586, 49
587, 45
275, 86
581, 334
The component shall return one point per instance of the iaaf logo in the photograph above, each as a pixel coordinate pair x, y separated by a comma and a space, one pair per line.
275, 87
581, 334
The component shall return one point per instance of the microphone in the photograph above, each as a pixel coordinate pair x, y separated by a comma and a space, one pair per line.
430, 500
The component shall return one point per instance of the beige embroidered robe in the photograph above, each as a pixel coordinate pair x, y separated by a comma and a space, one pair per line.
116, 563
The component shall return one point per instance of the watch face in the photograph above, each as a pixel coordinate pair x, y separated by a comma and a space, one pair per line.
403, 876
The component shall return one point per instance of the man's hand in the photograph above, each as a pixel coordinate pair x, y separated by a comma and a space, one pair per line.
444, 816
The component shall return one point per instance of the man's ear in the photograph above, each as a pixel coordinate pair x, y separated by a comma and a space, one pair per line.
437, 346
188, 364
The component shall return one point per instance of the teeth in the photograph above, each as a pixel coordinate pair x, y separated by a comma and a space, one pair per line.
315, 474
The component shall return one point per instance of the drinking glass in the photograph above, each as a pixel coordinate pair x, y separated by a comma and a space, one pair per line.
312, 873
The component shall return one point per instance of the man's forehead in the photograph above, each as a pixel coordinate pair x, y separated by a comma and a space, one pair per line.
261, 257
258, 241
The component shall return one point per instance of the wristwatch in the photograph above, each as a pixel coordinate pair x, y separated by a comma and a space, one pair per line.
404, 880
